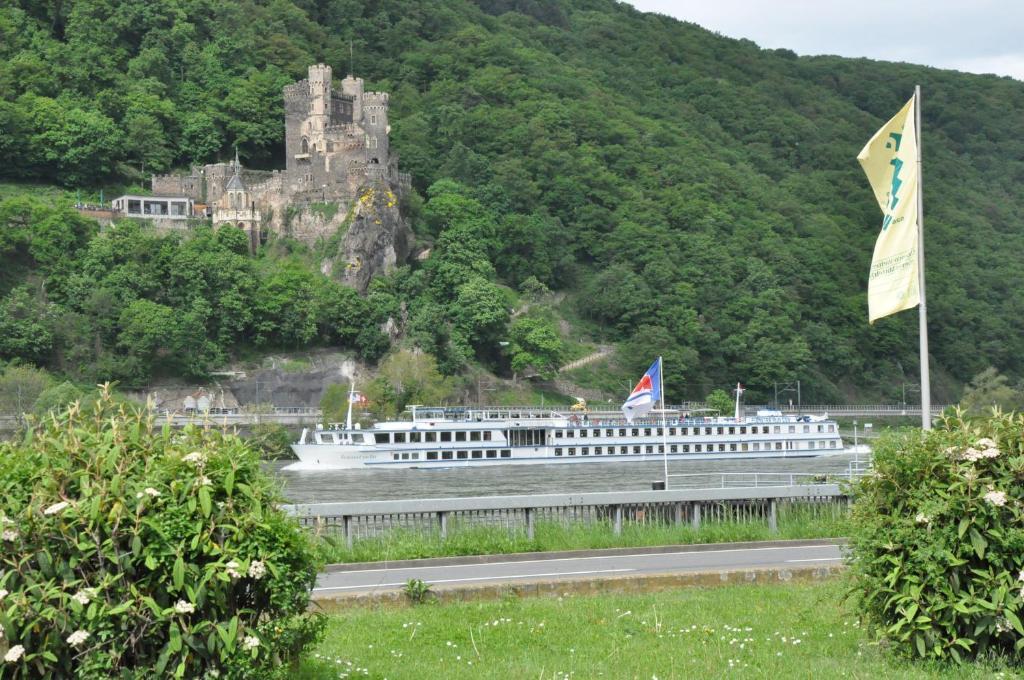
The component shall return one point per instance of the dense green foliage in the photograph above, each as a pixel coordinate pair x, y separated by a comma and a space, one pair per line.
696, 196
131, 304
133, 552
937, 542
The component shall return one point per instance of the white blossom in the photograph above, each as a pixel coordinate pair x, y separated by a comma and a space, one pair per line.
203, 480
3, 593
4, 519
990, 452
1, 631
1020, 577
55, 508
197, 458
151, 492
250, 642
78, 637
84, 596
257, 569
10, 535
986, 443
997, 498
972, 454
232, 569
184, 607
922, 518
1002, 625
14, 653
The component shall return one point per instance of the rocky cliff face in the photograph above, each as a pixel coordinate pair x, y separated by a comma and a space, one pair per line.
375, 240
359, 240
276, 384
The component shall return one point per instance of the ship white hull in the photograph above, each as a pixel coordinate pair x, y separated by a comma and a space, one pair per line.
344, 457
478, 439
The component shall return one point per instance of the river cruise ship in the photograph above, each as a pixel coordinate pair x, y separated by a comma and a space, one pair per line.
463, 437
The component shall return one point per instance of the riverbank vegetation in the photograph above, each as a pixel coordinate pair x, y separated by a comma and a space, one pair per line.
134, 551
739, 631
794, 521
685, 194
936, 537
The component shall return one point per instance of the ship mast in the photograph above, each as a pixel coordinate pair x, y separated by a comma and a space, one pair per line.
351, 398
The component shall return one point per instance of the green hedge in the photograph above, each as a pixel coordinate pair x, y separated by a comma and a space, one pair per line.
134, 550
938, 540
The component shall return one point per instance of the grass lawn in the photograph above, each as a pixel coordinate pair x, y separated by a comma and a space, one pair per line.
748, 631
794, 521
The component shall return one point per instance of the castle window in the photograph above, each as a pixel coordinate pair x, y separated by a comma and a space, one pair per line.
305, 145
373, 119
374, 143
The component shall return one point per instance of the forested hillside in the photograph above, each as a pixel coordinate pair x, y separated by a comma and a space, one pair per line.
693, 195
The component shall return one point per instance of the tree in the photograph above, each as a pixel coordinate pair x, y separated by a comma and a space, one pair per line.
20, 386
481, 313
150, 334
534, 343
720, 401
25, 327
81, 144
200, 137
147, 142
990, 389
407, 378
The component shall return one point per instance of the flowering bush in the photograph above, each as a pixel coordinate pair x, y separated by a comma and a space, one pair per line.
133, 551
938, 541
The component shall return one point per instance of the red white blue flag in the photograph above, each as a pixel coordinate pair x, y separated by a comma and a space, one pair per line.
646, 393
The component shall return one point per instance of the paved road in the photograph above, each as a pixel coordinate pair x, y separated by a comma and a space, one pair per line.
684, 560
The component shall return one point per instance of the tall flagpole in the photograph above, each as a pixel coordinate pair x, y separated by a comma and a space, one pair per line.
664, 426
926, 392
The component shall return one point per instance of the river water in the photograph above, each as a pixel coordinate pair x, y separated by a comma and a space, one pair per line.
326, 486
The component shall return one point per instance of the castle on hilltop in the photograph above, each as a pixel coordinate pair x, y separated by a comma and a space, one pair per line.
336, 142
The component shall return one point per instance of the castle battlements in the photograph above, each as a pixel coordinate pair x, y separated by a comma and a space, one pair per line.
375, 99
297, 91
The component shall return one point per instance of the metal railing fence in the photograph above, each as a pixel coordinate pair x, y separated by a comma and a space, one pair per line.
689, 506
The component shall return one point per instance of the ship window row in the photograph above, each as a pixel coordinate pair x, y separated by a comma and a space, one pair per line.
407, 456
328, 438
465, 455
431, 437
687, 448
685, 431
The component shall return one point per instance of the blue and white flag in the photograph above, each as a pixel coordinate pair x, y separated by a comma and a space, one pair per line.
646, 393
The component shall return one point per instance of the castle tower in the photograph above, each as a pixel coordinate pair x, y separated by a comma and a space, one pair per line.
237, 208
353, 87
319, 107
375, 123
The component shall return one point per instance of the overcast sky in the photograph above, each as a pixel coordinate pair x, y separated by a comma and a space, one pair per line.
980, 36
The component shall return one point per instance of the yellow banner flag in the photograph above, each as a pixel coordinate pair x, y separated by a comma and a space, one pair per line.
889, 160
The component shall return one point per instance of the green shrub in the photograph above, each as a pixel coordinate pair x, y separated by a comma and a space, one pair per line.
134, 552
937, 543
